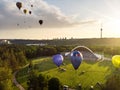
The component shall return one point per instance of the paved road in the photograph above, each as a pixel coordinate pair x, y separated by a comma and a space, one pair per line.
15, 81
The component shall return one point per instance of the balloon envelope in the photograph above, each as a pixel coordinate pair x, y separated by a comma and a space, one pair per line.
25, 11
58, 59
116, 61
76, 59
31, 5
30, 12
40, 22
19, 5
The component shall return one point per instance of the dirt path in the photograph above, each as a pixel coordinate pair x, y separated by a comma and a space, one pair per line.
15, 81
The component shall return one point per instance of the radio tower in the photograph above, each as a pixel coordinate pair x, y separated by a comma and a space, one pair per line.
101, 29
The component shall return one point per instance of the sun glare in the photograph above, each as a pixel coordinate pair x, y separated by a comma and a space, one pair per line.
114, 25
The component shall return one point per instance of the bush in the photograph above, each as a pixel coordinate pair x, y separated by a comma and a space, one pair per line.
54, 84
113, 83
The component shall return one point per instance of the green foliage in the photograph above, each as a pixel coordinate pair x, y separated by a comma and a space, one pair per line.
54, 84
6, 85
88, 42
96, 71
1, 86
42, 81
73, 41
15, 56
5, 79
12, 56
107, 50
36, 82
5, 74
38, 51
113, 82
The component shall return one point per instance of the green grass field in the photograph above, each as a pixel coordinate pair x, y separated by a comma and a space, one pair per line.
89, 72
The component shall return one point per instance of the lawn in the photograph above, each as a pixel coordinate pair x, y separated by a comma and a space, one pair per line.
89, 72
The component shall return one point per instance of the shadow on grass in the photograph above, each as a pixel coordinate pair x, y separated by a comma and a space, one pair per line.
45, 66
22, 75
90, 61
106, 67
104, 63
48, 64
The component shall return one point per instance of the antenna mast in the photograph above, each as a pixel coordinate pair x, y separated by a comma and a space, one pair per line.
101, 29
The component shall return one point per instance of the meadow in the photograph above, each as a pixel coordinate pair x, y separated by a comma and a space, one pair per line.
88, 74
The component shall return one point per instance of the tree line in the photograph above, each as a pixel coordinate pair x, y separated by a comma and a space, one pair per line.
42, 82
12, 57
107, 50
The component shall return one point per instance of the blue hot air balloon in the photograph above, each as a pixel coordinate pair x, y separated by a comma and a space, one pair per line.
76, 59
58, 59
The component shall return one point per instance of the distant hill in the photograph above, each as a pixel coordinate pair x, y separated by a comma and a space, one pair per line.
86, 42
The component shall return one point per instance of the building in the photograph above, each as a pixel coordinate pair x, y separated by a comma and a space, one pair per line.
87, 53
4, 41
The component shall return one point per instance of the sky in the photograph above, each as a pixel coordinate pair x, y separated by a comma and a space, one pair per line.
61, 18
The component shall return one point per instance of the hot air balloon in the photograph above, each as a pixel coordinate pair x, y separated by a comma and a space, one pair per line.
58, 59
40, 22
76, 59
31, 5
19, 5
17, 24
30, 12
25, 11
116, 61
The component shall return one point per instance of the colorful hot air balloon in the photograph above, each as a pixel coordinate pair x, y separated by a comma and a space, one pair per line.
58, 59
19, 5
25, 11
40, 22
116, 61
76, 59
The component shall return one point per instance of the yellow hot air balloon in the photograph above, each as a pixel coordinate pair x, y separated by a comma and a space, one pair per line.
116, 61
25, 11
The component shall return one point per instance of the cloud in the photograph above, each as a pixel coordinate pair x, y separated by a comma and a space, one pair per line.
10, 16
89, 21
52, 16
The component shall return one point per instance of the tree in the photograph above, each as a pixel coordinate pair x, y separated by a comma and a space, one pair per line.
36, 82
54, 84
42, 81
1, 86
20, 58
113, 83
5, 79
33, 81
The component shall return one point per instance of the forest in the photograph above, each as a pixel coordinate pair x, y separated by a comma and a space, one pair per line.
14, 56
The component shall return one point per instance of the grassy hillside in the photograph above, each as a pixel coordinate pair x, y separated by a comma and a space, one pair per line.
89, 72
